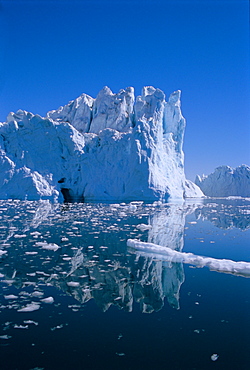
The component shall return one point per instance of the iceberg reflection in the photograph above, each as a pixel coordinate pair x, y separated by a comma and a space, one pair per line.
81, 249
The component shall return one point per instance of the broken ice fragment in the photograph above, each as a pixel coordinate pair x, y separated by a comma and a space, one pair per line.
57, 327
214, 357
143, 227
5, 337
30, 322
29, 308
21, 326
49, 246
73, 283
48, 300
10, 296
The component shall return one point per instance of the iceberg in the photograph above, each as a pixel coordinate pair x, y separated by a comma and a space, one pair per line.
226, 181
114, 147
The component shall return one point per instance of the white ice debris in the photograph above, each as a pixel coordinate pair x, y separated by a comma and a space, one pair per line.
49, 246
11, 296
226, 181
21, 326
5, 337
73, 283
30, 322
30, 307
240, 268
143, 227
57, 327
48, 300
114, 147
214, 357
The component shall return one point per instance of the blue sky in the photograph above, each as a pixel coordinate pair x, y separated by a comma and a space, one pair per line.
52, 51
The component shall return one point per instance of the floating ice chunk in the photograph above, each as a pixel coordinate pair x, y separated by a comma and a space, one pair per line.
240, 268
30, 322
21, 326
64, 239
36, 293
2, 252
73, 283
30, 307
1, 275
10, 296
49, 246
143, 227
5, 337
214, 357
57, 327
120, 354
36, 233
49, 300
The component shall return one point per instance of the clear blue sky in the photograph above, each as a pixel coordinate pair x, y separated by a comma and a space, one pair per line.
52, 51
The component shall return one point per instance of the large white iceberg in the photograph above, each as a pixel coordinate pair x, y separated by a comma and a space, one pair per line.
226, 181
109, 148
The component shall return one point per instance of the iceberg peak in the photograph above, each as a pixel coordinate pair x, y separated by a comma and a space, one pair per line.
175, 98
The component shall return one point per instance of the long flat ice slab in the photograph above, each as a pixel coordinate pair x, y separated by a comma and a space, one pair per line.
240, 268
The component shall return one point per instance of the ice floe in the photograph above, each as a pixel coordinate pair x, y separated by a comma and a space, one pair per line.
48, 300
241, 268
30, 307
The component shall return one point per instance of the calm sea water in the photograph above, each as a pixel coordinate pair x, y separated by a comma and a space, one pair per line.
74, 296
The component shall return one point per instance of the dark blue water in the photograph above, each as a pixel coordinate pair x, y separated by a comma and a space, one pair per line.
111, 307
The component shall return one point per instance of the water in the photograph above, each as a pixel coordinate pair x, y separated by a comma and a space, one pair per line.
74, 296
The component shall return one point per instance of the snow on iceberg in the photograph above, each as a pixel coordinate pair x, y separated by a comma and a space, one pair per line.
114, 147
226, 181
240, 268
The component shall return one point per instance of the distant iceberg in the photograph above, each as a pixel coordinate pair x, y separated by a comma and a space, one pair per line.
226, 181
114, 147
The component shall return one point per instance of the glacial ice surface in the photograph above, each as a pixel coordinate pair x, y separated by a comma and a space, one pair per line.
114, 147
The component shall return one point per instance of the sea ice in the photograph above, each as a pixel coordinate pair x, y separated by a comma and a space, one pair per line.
167, 254
49, 300
30, 322
21, 326
49, 246
30, 307
5, 337
214, 357
10, 296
